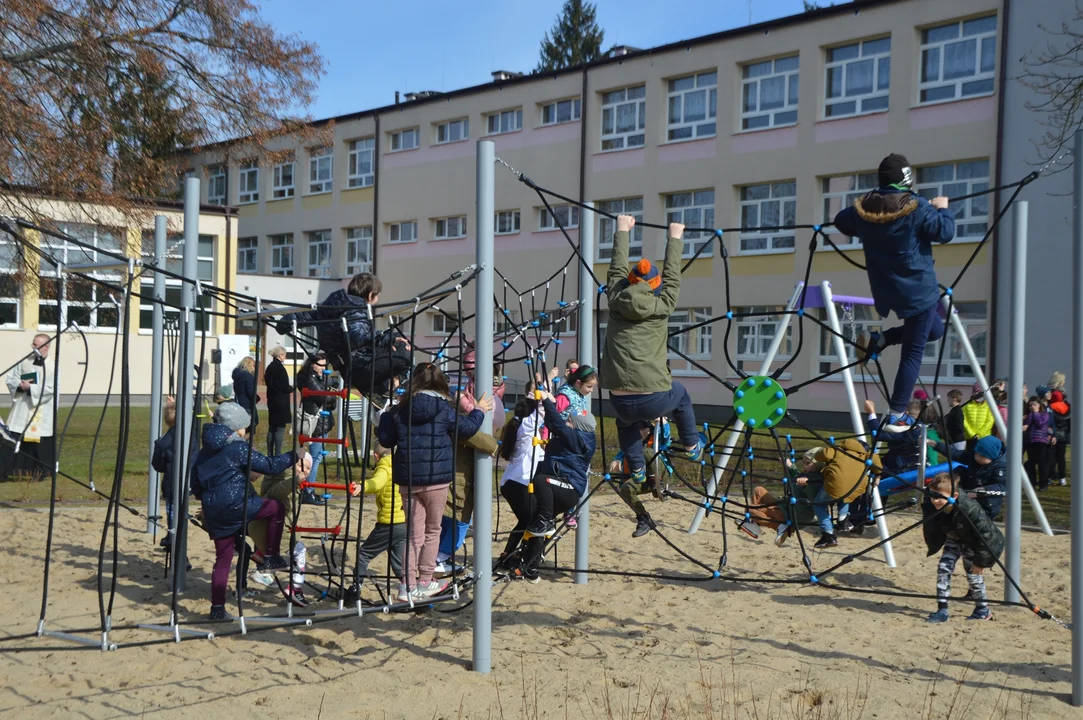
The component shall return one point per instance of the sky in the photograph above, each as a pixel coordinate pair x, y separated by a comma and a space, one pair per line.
371, 48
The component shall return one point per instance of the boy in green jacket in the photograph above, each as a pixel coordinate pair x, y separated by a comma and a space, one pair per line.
633, 363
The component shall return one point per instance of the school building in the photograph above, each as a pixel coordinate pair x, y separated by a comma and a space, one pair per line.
771, 124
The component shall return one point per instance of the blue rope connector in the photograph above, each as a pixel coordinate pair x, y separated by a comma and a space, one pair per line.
718, 233
607, 477
706, 427
874, 357
868, 463
780, 412
724, 499
325, 413
779, 394
505, 344
789, 438
561, 303
951, 501
785, 479
439, 354
744, 473
729, 315
793, 501
768, 422
739, 394
557, 342
768, 382
601, 289
528, 362
707, 506
813, 579
874, 433
703, 463
831, 440
949, 291
716, 574
748, 516
543, 315
817, 228
751, 382
800, 312
711, 453
534, 323
751, 423
400, 391
740, 409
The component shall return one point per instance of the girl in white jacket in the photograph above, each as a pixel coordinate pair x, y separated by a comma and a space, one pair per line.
521, 446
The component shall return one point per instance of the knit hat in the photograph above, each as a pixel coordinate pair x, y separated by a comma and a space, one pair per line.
645, 271
583, 421
978, 389
989, 447
810, 455
895, 171
1042, 390
226, 392
233, 416
920, 394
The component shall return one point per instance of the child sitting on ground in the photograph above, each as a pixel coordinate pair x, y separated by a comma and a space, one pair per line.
634, 367
390, 529
897, 228
765, 511
845, 477
964, 531
630, 492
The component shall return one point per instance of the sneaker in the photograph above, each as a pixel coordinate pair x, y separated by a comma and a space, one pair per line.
430, 589
296, 596
1063, 482
750, 528
940, 616
352, 595
446, 568
845, 526
868, 344
542, 528
644, 524
692, 454
827, 540
981, 614
570, 521
311, 498
638, 476
219, 614
275, 562
262, 578
783, 534
532, 578
855, 530
404, 593
246, 594
899, 419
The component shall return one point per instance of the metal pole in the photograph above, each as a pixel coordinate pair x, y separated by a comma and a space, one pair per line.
1077, 428
483, 378
157, 342
586, 353
1013, 507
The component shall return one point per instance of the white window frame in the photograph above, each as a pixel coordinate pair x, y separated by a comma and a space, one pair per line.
397, 232
852, 321
360, 170
760, 330
174, 259
321, 170
319, 249
700, 340
832, 201
358, 250
777, 241
442, 325
878, 98
553, 109
513, 116
607, 227
216, 185
453, 131
397, 140
632, 98
69, 253
973, 30
248, 183
513, 222
699, 212
449, 228
11, 264
558, 322
974, 223
280, 189
956, 369
282, 254
786, 70
680, 90
548, 223
248, 255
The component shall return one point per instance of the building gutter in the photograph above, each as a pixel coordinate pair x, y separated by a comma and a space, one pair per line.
376, 192
991, 353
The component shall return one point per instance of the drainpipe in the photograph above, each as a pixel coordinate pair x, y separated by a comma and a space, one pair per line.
583, 177
376, 189
229, 261
994, 369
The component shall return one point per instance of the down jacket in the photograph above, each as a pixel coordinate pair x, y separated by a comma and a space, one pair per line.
844, 470
244, 390
219, 479
356, 341
423, 438
569, 451
1062, 421
969, 524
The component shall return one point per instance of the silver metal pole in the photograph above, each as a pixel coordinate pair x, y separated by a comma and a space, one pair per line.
586, 353
157, 343
1077, 428
1013, 507
483, 379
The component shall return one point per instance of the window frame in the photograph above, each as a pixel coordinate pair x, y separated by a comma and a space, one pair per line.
930, 190
246, 253
790, 104
248, 177
847, 197
63, 250
399, 135
543, 213
575, 105
700, 129
320, 242
12, 268
279, 190
693, 241
175, 257
316, 156
828, 361
613, 105
607, 228
460, 230
761, 336
392, 227
516, 113
439, 318
360, 245
704, 339
958, 83
217, 174
357, 150
954, 357
877, 93
516, 216
446, 125
771, 236
278, 249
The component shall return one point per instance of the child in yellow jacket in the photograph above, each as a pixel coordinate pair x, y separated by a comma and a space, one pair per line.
390, 529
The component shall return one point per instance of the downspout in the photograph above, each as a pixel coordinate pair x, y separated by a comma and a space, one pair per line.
990, 359
229, 262
376, 192
583, 171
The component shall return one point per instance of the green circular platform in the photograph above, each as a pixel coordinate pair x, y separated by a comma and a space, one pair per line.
759, 402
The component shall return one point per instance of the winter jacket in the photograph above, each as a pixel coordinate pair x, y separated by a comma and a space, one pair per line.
636, 340
39, 397
897, 229
955, 426
972, 528
978, 420
161, 459
387, 494
339, 346
1062, 421
526, 457
902, 447
571, 402
569, 451
308, 378
845, 474
460, 503
977, 475
219, 479
244, 390
279, 394
423, 438
1039, 427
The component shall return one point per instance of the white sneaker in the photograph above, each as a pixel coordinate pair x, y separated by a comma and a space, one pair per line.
443, 569
430, 589
1063, 482
404, 594
262, 579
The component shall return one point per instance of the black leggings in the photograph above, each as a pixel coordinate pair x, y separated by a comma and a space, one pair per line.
1037, 465
1059, 464
551, 496
521, 501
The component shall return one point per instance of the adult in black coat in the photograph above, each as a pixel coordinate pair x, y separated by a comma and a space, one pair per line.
279, 400
244, 387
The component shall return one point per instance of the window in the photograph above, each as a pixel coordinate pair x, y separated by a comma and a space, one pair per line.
443, 325
958, 60
359, 250
248, 183
558, 322
771, 207
11, 263
853, 320
957, 180
360, 164
841, 192
624, 118
858, 78
320, 162
696, 343
504, 321
319, 253
282, 254
693, 103
449, 228
282, 182
955, 367
769, 95
563, 216
174, 294
247, 255
504, 122
561, 111
81, 295
695, 210
507, 222
607, 228
216, 185
754, 335
404, 232
407, 139
452, 131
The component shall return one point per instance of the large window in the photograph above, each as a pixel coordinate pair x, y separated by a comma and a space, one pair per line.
282, 254
956, 180
174, 294
693, 106
842, 192
624, 118
956, 368
505, 121
216, 185
858, 78
507, 222
563, 216
693, 210
958, 60
452, 131
320, 170
282, 182
319, 253
696, 343
754, 335
853, 320
402, 232
359, 250
561, 111
769, 94
248, 183
360, 168
82, 295
443, 325
407, 139
450, 228
607, 227
11, 263
772, 207
247, 255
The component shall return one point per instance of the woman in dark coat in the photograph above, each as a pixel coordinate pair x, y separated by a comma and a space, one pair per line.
244, 387
279, 396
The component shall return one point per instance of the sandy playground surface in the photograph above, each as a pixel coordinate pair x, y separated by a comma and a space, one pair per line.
616, 648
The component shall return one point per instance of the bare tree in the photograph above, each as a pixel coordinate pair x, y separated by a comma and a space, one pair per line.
1055, 74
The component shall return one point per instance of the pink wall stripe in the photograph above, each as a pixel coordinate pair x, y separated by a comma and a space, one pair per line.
850, 128
953, 113
618, 160
749, 142
685, 151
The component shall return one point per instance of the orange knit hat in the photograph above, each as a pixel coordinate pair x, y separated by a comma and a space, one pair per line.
645, 271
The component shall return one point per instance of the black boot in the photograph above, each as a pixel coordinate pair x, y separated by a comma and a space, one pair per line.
644, 524
827, 540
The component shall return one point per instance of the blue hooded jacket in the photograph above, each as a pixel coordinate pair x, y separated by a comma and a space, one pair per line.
425, 436
359, 330
569, 451
219, 479
897, 229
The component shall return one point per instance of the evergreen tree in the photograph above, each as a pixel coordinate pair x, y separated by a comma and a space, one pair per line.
575, 38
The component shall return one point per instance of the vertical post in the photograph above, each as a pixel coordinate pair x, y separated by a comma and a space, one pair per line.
587, 292
157, 342
1013, 506
483, 378
1077, 428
